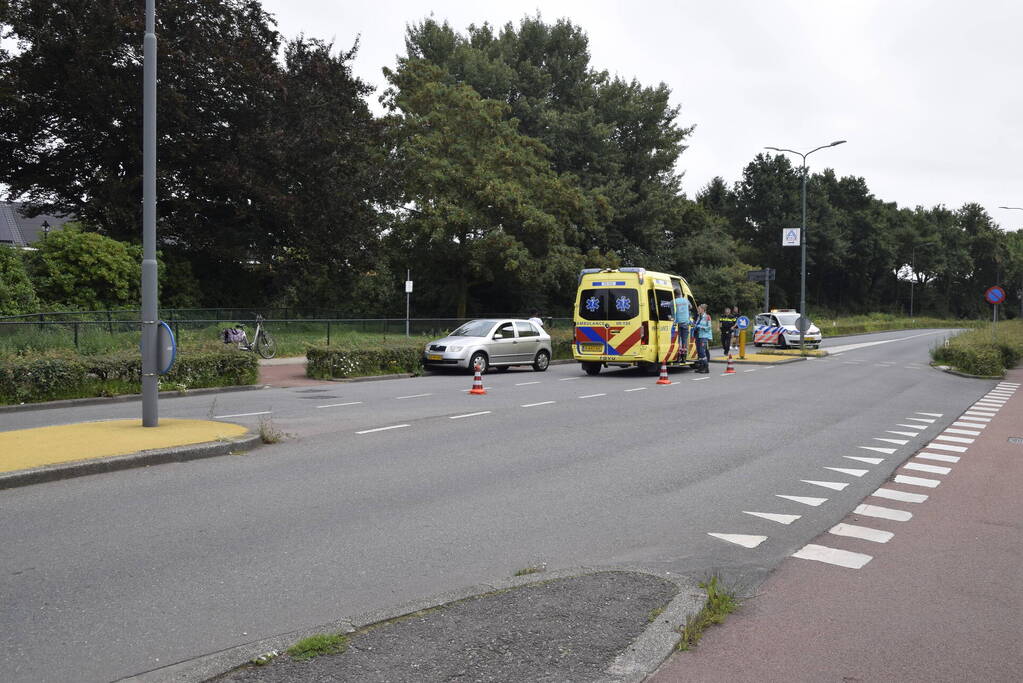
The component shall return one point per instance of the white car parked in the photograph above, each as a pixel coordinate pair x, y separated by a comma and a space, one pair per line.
778, 328
492, 342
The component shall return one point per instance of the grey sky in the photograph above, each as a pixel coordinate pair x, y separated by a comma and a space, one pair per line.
928, 93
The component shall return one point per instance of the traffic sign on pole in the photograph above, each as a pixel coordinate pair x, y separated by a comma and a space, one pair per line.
995, 295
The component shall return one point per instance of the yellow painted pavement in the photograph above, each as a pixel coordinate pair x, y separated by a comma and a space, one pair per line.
23, 449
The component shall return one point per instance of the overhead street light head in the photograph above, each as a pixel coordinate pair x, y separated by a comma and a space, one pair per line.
1018, 208
837, 142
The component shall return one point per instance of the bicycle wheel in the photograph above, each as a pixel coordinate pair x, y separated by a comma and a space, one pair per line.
265, 345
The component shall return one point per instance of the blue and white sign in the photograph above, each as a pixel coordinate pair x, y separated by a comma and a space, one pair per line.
592, 304
167, 348
623, 303
742, 322
617, 283
790, 237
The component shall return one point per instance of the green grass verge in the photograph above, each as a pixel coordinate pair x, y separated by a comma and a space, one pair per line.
983, 351
720, 603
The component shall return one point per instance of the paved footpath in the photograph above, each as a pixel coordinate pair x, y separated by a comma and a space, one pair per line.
940, 596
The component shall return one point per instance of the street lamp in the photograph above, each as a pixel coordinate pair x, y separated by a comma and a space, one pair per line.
802, 235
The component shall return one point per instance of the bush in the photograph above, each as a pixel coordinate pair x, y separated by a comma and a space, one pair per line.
28, 380
976, 353
330, 362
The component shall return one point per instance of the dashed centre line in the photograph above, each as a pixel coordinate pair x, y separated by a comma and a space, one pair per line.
522, 384
338, 405
636, 389
592, 395
381, 429
459, 417
531, 405
398, 398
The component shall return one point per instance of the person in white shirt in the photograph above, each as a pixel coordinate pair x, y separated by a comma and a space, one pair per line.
536, 319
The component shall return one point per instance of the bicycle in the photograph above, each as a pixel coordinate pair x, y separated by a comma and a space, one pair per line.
262, 343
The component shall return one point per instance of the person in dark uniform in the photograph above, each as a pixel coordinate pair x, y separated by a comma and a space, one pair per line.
726, 325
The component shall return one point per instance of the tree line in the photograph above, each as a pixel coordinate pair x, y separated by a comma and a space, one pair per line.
504, 162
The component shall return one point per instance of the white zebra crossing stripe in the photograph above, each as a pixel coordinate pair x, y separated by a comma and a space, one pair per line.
861, 532
974, 425
920, 467
937, 456
871, 461
954, 439
834, 485
850, 472
804, 499
968, 432
745, 540
916, 481
883, 513
842, 558
967, 416
892, 494
900, 442
929, 414
774, 517
892, 431
912, 426
947, 447
922, 419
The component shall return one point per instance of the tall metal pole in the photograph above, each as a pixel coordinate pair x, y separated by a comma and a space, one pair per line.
912, 282
408, 301
150, 381
802, 263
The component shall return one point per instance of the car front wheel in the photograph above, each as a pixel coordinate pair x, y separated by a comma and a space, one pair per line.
542, 360
478, 359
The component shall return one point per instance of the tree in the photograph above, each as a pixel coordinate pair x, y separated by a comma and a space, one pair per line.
17, 294
483, 203
86, 271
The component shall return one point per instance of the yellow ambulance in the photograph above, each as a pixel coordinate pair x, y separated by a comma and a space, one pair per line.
625, 317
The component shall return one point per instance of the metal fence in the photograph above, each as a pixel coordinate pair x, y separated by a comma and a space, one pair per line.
63, 329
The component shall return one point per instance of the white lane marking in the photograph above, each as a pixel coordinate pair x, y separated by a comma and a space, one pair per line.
522, 384
997, 393
916, 481
833, 485
636, 389
929, 414
872, 461
568, 379
697, 379
769, 367
947, 447
900, 442
988, 405
851, 362
954, 439
995, 396
750, 370
887, 451
921, 467
338, 405
774, 517
842, 558
921, 419
892, 494
541, 403
804, 499
979, 417
380, 429
459, 417
975, 425
851, 472
937, 456
399, 398
911, 426
892, 431
970, 432
861, 532
745, 540
981, 413
883, 513
592, 395
263, 412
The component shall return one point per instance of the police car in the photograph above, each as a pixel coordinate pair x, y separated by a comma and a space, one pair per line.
778, 328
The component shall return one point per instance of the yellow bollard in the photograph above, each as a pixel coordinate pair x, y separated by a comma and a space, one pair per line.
742, 344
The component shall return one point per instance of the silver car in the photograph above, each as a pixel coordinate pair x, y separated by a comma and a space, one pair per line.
491, 342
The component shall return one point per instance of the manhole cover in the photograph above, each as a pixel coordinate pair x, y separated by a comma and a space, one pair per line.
1016, 439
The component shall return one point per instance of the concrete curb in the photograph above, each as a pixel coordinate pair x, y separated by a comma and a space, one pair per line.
759, 362
949, 370
81, 468
124, 398
639, 660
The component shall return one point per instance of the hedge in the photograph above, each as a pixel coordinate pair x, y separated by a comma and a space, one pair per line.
977, 353
48, 378
329, 362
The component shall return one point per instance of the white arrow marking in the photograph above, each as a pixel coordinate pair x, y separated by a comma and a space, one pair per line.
887, 451
929, 414
872, 461
853, 473
804, 500
892, 431
774, 517
900, 442
834, 485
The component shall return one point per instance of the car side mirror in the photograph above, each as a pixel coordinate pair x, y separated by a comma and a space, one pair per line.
498, 335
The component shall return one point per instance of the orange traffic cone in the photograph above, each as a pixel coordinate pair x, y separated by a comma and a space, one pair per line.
730, 370
663, 379
477, 382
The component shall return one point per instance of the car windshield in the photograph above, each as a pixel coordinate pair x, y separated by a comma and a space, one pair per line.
787, 318
474, 328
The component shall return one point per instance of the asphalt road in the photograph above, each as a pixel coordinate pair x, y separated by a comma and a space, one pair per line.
110, 575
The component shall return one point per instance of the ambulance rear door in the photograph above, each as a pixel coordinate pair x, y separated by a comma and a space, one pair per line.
664, 324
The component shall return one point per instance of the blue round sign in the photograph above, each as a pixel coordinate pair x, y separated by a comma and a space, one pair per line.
167, 348
742, 322
995, 295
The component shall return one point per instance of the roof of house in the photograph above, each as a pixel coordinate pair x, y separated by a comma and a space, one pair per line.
19, 230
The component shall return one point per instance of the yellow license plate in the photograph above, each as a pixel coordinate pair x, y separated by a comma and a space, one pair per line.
593, 348
435, 356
